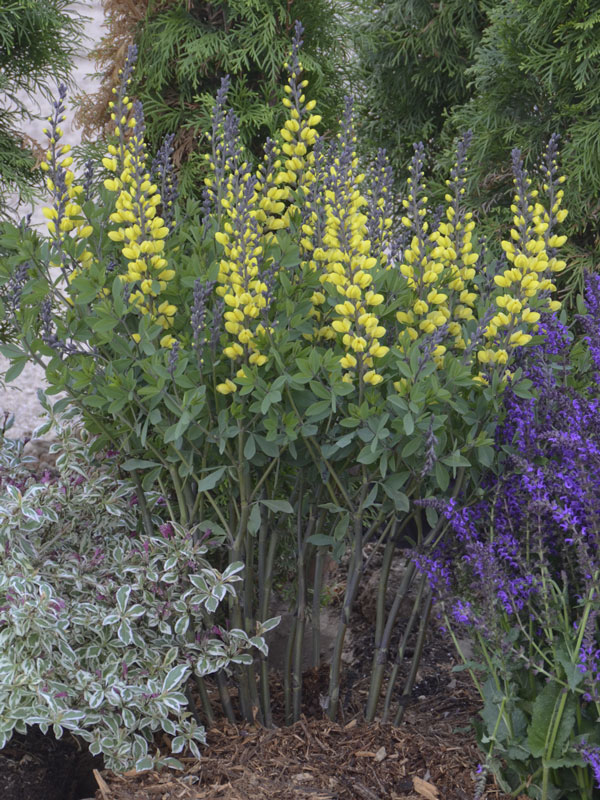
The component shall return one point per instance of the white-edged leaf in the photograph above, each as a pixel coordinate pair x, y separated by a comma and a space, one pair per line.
174, 677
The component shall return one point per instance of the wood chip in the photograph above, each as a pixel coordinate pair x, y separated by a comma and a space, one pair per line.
102, 785
425, 789
380, 754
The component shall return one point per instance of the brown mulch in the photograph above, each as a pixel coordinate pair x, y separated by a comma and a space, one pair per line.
431, 756
316, 760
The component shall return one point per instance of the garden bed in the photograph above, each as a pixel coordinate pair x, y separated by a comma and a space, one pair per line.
431, 755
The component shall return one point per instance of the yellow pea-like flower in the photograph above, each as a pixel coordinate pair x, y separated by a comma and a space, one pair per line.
228, 387
373, 378
258, 358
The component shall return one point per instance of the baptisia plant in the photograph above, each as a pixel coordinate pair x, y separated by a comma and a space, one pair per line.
231, 350
101, 624
520, 574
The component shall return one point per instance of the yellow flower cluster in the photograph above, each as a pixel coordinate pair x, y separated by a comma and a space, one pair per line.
252, 208
345, 263
528, 277
239, 280
65, 214
298, 136
378, 194
438, 267
142, 232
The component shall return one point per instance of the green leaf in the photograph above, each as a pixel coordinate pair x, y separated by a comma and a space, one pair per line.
175, 431
485, 454
15, 370
269, 448
138, 463
412, 446
409, 424
117, 295
367, 456
372, 496
523, 389
271, 397
321, 391
93, 401
545, 708
320, 540
320, 409
442, 476
456, 459
279, 506
340, 530
400, 500
573, 674
211, 480
102, 324
254, 519
250, 448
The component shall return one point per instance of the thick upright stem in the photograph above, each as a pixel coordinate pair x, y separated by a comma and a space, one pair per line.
287, 673
183, 515
402, 648
141, 498
301, 540
265, 598
354, 576
416, 657
316, 608
381, 651
225, 697
206, 704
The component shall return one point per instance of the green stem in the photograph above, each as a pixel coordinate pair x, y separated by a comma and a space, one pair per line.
401, 650
225, 697
416, 657
287, 673
206, 704
316, 607
353, 580
141, 497
265, 691
183, 517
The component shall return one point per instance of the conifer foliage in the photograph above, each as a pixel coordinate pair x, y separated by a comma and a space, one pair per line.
413, 57
37, 44
186, 47
537, 72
